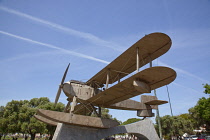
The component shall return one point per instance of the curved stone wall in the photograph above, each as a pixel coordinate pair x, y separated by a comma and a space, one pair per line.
143, 129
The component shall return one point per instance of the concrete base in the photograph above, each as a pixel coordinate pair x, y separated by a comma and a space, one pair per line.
144, 130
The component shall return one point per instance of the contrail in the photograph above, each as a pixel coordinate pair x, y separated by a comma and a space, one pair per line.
185, 72
87, 36
54, 47
186, 87
94, 39
26, 55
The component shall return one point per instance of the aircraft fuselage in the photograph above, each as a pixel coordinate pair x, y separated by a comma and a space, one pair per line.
79, 89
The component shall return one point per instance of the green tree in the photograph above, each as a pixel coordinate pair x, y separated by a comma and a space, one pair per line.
201, 112
185, 123
32, 125
207, 89
104, 114
1, 111
203, 108
11, 116
2, 122
29, 123
50, 106
176, 125
196, 120
131, 120
18, 116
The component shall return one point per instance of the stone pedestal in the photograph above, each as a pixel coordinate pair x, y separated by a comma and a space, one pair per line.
144, 130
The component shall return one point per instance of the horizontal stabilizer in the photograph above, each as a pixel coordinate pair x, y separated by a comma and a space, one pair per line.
145, 113
156, 102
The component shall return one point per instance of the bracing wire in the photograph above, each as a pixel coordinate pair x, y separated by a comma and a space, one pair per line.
169, 101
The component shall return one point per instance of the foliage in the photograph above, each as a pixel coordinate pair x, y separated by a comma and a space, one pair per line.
17, 116
203, 108
1, 111
120, 122
131, 120
104, 114
207, 89
201, 112
176, 125
185, 123
2, 124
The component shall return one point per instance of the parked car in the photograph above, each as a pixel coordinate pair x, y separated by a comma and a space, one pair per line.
207, 137
187, 138
201, 138
194, 137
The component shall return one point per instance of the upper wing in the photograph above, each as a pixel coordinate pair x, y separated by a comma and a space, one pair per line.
154, 77
150, 47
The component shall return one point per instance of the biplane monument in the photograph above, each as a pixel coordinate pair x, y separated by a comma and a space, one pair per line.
85, 98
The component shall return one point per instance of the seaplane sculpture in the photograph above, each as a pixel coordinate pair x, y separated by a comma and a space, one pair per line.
85, 98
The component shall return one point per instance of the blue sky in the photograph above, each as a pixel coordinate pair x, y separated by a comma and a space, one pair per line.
39, 38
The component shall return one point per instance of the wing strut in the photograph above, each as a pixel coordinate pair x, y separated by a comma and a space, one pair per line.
107, 85
137, 59
67, 107
107, 79
74, 103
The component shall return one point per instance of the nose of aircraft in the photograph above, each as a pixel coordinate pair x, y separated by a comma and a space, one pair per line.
67, 89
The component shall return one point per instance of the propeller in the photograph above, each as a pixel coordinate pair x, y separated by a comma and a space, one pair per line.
61, 85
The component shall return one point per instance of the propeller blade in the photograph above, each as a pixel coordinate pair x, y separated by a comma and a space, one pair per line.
58, 95
64, 75
61, 85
